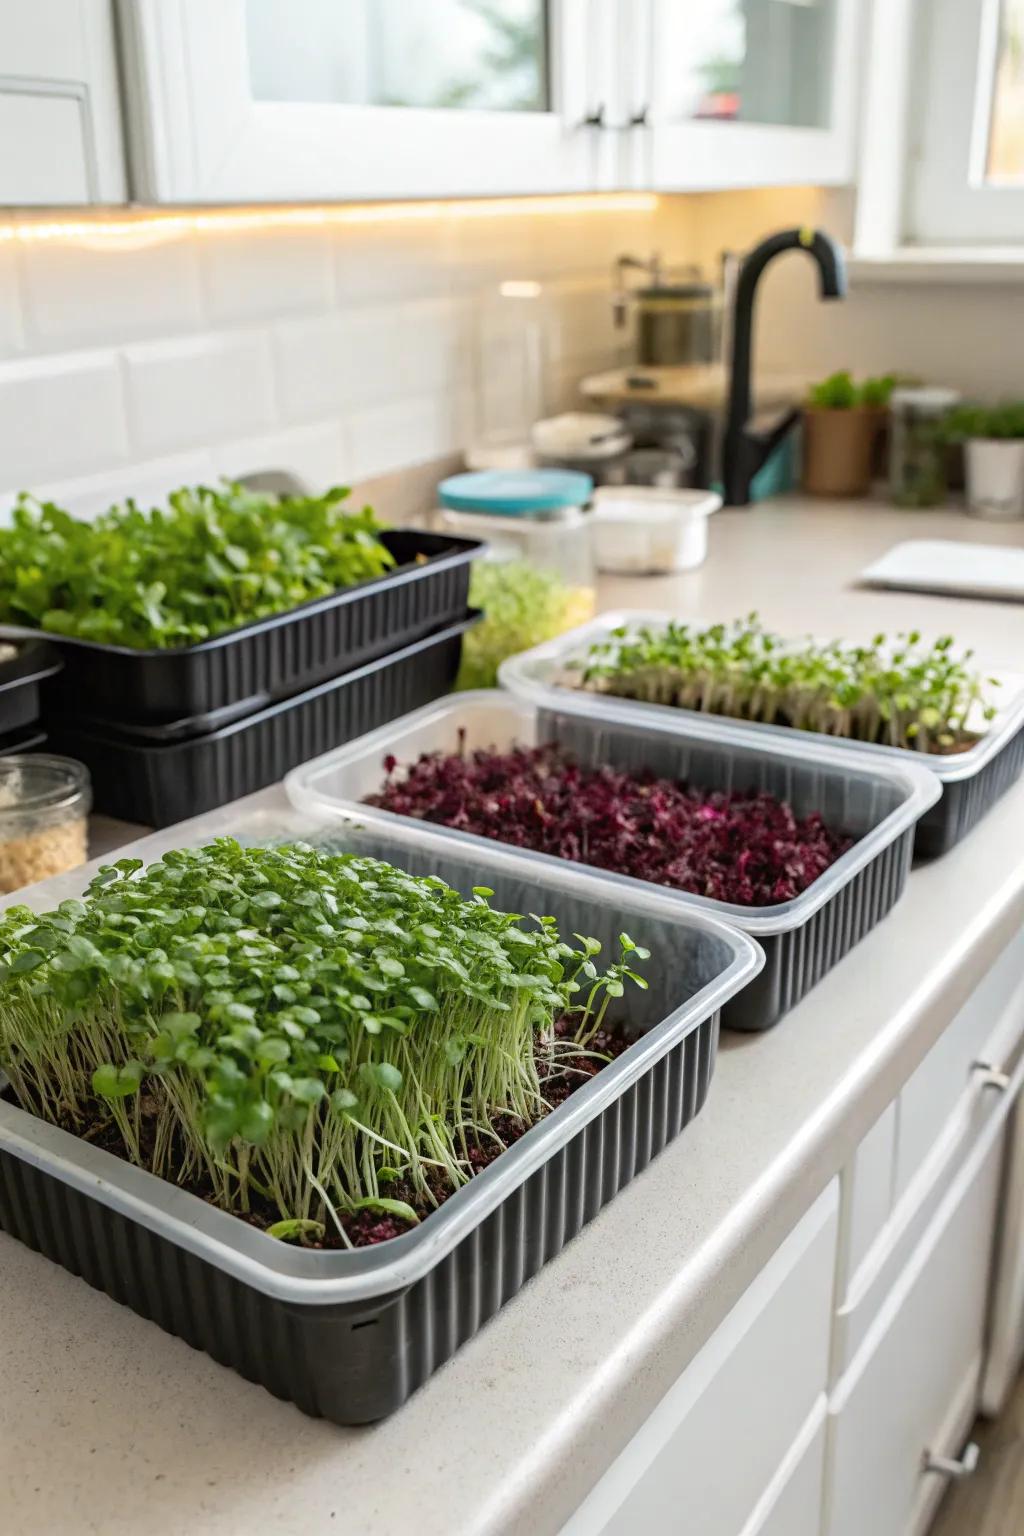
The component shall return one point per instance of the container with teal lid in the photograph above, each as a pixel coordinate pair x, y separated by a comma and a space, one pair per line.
545, 495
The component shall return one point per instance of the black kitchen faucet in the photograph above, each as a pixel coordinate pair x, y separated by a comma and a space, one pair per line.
744, 450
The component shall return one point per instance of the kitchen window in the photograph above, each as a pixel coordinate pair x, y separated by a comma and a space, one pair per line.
948, 77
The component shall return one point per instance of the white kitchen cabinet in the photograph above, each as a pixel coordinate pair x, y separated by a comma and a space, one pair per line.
902, 1170
261, 100
732, 1447
60, 132
744, 93
913, 1389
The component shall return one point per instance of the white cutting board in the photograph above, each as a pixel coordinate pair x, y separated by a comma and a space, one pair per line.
943, 565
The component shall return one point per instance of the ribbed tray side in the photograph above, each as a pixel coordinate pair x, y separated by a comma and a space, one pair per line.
272, 660
159, 785
797, 960
358, 1363
965, 801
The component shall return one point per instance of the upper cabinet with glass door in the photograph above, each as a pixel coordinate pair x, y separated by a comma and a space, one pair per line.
743, 93
290, 100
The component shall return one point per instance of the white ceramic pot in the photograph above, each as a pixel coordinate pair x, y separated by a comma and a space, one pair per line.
995, 477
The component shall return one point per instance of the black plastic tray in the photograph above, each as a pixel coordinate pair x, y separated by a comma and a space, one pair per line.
20, 681
241, 671
349, 1336
155, 781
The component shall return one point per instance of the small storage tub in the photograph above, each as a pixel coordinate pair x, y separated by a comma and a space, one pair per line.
650, 530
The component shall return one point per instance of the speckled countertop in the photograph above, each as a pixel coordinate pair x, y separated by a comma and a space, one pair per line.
107, 1425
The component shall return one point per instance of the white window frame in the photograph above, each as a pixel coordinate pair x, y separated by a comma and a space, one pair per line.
199, 136
921, 171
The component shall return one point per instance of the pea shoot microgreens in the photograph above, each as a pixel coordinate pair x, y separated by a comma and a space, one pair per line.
213, 560
898, 693
292, 1027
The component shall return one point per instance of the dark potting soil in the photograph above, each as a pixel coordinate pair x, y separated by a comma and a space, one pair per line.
365, 1229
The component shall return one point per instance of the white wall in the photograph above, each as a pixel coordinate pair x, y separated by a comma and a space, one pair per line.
349, 352
339, 353
970, 336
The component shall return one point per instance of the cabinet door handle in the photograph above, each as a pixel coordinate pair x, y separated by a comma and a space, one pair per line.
595, 119
640, 116
946, 1466
991, 1076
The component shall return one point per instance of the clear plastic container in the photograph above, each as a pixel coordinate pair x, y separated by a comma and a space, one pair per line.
349, 1335
44, 818
649, 530
874, 802
918, 450
971, 780
563, 546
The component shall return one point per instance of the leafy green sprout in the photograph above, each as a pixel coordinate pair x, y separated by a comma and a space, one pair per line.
300, 1029
897, 692
213, 560
840, 392
522, 606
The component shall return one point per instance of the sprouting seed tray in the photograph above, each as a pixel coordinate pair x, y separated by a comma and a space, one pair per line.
878, 802
350, 1335
972, 781
21, 677
154, 777
247, 668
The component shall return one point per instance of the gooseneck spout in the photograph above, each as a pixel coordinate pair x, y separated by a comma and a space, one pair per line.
743, 450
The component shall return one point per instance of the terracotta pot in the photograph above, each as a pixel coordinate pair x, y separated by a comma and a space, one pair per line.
838, 450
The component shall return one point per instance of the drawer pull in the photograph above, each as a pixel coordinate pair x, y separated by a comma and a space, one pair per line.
946, 1466
990, 1076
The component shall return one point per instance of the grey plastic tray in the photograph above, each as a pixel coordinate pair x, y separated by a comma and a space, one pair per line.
349, 1335
877, 801
971, 781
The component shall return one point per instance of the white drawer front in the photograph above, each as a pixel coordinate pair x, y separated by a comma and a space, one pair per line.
931, 1095
896, 1181
716, 1441
914, 1385
791, 1506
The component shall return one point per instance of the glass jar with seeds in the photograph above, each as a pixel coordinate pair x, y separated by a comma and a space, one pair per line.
44, 811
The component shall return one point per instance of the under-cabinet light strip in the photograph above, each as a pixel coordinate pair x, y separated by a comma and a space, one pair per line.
133, 226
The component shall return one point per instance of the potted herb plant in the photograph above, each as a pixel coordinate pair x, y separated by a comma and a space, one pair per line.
993, 441
842, 421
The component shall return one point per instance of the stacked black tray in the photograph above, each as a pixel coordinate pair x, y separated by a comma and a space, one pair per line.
168, 734
21, 679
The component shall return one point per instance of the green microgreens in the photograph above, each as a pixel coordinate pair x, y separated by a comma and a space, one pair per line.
295, 1025
900, 693
522, 606
213, 560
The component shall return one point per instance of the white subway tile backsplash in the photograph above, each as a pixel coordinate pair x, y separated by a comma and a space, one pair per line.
337, 353
59, 417
408, 350
260, 274
80, 294
199, 390
315, 455
148, 484
11, 330
313, 363
394, 262
406, 432
582, 321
